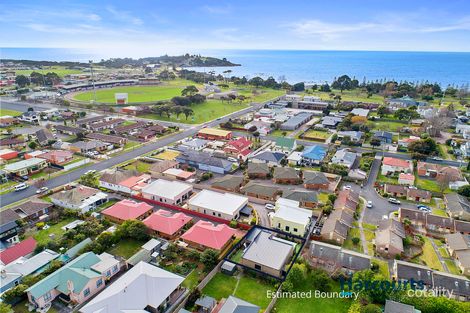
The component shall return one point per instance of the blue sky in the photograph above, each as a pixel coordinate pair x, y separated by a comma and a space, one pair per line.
142, 28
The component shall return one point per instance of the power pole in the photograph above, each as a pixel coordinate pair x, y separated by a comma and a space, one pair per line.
92, 80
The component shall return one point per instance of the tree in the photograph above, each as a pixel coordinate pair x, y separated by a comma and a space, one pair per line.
209, 258
371, 308
423, 146
5, 308
90, 180
182, 101
325, 88
22, 81
15, 293
177, 110
33, 145
297, 275
256, 81
405, 114
355, 240
382, 111
187, 112
133, 229
37, 78
343, 82
464, 191
443, 181
298, 87
189, 91
375, 142
320, 280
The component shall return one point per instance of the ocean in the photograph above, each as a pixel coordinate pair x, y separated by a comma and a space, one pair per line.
445, 68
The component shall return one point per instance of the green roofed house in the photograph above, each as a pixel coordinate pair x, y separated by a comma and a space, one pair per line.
26, 167
285, 145
76, 281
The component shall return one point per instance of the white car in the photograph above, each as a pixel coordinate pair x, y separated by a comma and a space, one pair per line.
369, 204
21, 186
347, 187
269, 206
42, 190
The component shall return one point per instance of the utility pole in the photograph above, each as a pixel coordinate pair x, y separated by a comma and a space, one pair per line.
92, 80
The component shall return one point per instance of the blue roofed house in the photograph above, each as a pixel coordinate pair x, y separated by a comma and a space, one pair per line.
384, 137
272, 158
76, 281
313, 155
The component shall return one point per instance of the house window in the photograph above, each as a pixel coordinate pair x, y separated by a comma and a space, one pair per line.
295, 229
258, 267
47, 296
115, 268
86, 292
108, 273
287, 228
99, 282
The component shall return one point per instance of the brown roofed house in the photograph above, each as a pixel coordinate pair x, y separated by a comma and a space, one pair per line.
286, 175
258, 170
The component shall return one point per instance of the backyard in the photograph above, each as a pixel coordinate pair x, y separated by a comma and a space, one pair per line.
348, 244
429, 256
248, 288
392, 126
317, 135
126, 248
43, 236
139, 166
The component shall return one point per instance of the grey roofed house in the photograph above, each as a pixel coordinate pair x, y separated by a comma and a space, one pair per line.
69, 129
269, 156
462, 226
27, 266
296, 121
301, 196
106, 138
354, 135
332, 225
407, 271
196, 143
412, 214
460, 285
285, 173
203, 158
394, 226
330, 121
228, 182
85, 146
93, 119
160, 167
344, 157
259, 189
118, 175
340, 257
397, 307
258, 169
43, 136
235, 305
383, 136
457, 204
343, 216
206, 302
268, 250
315, 178
433, 221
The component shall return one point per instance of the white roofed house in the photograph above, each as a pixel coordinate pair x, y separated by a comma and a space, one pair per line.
144, 288
344, 157
223, 205
166, 191
290, 218
80, 198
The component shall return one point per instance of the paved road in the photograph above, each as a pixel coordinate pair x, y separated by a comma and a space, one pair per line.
13, 197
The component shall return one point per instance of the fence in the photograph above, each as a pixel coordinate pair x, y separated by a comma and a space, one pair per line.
273, 301
76, 164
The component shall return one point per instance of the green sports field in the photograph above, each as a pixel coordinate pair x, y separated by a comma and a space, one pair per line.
5, 112
135, 93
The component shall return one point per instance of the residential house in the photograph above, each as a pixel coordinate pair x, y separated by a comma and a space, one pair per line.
397, 307
57, 157
393, 165
239, 148
76, 280
125, 294
308, 199
313, 155
406, 179
389, 238
165, 191
258, 170
229, 183
285, 145
127, 210
159, 167
458, 285
80, 198
315, 180
330, 122
418, 195
125, 181
439, 224
355, 136
295, 158
7, 121
360, 112
26, 167
296, 121
333, 258
214, 134
290, 218
114, 140
22, 249
465, 149
395, 190
405, 271
457, 242
268, 253
462, 258
110, 124
271, 158
8, 154
16, 142
404, 142
345, 158
260, 191
286, 175
458, 206
204, 235
163, 223
43, 137
85, 122
405, 102
205, 161
32, 117
439, 172
222, 205
462, 227
196, 144
89, 146
177, 173
235, 305
68, 130
384, 137
334, 230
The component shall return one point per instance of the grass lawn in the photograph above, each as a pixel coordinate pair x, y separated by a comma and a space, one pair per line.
370, 235
388, 125
429, 256
126, 248
255, 94
249, 289
349, 95
453, 269
383, 267
312, 305
370, 227
385, 179
203, 112
60, 70
192, 279
316, 135
439, 212
4, 112
323, 197
348, 244
428, 184
135, 93
42, 236
279, 133
139, 166
22, 308
106, 205
443, 252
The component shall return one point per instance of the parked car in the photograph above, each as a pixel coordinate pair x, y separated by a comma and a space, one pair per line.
369, 204
347, 187
423, 208
269, 206
21, 186
394, 201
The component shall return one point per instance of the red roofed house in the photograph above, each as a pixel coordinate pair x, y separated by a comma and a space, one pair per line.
166, 224
394, 165
127, 210
406, 141
23, 248
8, 154
205, 235
406, 179
135, 183
239, 148
57, 156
